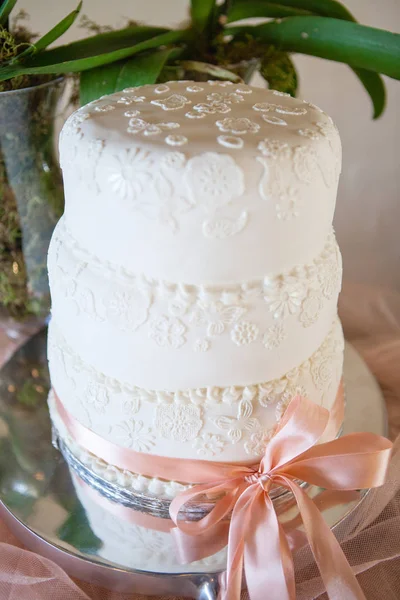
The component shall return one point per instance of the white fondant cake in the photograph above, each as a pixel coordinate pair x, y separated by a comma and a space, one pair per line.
195, 272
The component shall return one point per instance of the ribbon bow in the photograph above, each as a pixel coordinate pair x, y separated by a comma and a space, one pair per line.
256, 538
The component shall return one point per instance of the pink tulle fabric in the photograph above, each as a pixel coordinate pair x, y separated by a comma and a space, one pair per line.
370, 538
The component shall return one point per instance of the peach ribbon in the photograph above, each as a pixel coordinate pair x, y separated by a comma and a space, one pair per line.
256, 539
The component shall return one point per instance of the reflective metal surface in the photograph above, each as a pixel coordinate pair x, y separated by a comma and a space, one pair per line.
59, 516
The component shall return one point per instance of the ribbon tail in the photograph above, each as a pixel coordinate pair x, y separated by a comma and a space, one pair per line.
268, 560
239, 528
336, 573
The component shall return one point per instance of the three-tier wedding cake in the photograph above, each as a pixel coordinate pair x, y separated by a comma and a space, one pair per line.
195, 273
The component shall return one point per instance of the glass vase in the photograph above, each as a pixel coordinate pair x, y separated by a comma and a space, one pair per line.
31, 198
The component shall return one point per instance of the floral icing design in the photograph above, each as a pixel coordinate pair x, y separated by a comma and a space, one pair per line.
255, 446
179, 423
161, 89
133, 434
237, 126
230, 141
273, 120
310, 309
224, 227
209, 444
127, 309
283, 110
225, 97
168, 332
244, 333
214, 180
176, 140
128, 173
137, 125
96, 396
212, 108
236, 427
284, 297
173, 102
216, 316
274, 336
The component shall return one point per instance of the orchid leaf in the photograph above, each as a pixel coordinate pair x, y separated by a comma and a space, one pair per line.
334, 39
132, 72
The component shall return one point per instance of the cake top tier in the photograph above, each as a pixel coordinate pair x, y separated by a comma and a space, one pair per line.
200, 182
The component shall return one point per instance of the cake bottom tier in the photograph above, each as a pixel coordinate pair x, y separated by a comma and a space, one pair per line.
246, 434
231, 424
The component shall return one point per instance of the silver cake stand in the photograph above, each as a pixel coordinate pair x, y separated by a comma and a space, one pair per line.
40, 504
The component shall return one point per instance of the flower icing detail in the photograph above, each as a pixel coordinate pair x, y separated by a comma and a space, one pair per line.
161, 89
257, 443
194, 88
173, 160
329, 277
279, 93
273, 120
274, 149
132, 113
202, 345
224, 227
237, 126
214, 180
310, 309
195, 115
230, 141
209, 444
288, 206
176, 140
128, 172
309, 133
135, 435
127, 309
244, 333
212, 108
173, 102
274, 336
104, 107
244, 421
285, 296
305, 163
225, 97
283, 110
137, 125
179, 423
96, 395
168, 331
286, 399
244, 90
216, 316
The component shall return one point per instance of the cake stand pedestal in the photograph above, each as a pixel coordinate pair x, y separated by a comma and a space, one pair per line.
39, 502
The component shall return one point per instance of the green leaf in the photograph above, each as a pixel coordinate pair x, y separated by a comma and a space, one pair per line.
248, 9
52, 35
279, 71
5, 10
135, 71
57, 31
84, 55
144, 68
201, 12
325, 8
334, 39
375, 87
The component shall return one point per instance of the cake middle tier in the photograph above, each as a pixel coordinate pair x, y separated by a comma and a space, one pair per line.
172, 336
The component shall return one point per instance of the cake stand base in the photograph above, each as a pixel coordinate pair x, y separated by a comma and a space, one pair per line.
42, 504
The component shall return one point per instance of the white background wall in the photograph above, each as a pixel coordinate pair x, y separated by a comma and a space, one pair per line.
368, 210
